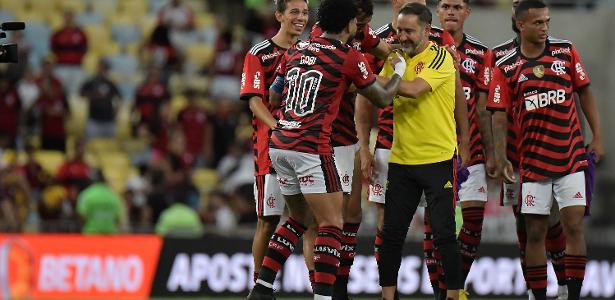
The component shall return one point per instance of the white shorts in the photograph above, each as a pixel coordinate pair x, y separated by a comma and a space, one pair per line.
307, 173
511, 191
344, 162
537, 197
478, 187
378, 182
269, 200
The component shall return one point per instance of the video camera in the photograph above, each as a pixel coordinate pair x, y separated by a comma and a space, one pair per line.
8, 52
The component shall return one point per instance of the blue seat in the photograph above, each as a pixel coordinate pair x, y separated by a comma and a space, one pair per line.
125, 33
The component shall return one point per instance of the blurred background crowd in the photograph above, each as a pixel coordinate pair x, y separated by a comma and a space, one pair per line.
129, 110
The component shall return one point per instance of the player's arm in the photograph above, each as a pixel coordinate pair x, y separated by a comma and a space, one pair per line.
381, 95
382, 50
497, 102
261, 111
253, 89
484, 126
410, 88
590, 109
363, 113
462, 121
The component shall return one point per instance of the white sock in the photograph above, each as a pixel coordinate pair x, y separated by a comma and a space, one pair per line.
320, 297
531, 295
562, 290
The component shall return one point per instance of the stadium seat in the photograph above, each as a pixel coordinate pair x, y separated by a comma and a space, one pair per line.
98, 38
6, 16
90, 62
205, 20
105, 7
49, 160
36, 32
77, 6
90, 18
205, 179
125, 33
177, 103
147, 24
12, 6
44, 7
116, 178
199, 54
102, 146
156, 5
135, 8
78, 116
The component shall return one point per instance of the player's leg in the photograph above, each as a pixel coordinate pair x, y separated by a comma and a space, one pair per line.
377, 192
437, 179
555, 244
535, 207
285, 237
320, 184
402, 197
569, 192
308, 249
352, 220
472, 197
269, 207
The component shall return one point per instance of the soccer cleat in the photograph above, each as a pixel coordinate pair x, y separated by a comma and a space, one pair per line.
562, 292
256, 295
463, 294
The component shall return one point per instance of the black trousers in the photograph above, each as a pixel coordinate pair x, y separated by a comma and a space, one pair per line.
406, 183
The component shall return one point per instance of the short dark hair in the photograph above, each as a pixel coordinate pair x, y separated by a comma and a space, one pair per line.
419, 10
365, 6
464, 1
334, 15
525, 6
280, 5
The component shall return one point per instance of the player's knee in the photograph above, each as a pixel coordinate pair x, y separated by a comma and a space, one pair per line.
573, 229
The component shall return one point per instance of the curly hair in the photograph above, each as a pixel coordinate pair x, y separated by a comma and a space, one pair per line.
334, 15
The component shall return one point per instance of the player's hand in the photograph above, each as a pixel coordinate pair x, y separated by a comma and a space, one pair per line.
490, 167
367, 163
398, 63
597, 147
395, 46
464, 154
505, 169
455, 55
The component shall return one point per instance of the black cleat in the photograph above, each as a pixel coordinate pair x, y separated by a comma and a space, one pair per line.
256, 295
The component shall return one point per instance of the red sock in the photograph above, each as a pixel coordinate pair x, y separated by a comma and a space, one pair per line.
326, 259
347, 253
428, 252
556, 248
281, 245
469, 236
575, 273
537, 279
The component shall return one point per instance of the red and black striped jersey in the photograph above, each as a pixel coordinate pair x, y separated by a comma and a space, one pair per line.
385, 115
540, 91
317, 73
475, 66
258, 74
512, 136
344, 130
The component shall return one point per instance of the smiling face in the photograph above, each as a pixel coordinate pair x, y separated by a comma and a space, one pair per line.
294, 18
453, 14
411, 32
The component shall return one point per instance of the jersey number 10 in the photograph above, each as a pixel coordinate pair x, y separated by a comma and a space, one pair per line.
302, 91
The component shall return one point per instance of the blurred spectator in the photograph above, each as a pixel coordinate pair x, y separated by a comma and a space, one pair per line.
52, 109
16, 71
219, 212
177, 172
227, 67
179, 18
69, 44
159, 52
179, 220
34, 173
225, 120
197, 128
55, 209
10, 111
236, 168
89, 16
101, 209
29, 91
14, 198
151, 99
137, 189
75, 174
102, 95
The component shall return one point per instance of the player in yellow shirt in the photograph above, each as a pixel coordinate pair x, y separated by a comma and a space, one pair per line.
424, 144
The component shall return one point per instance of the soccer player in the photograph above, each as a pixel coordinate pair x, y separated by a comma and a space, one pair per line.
314, 75
345, 146
424, 143
258, 74
375, 167
473, 193
556, 241
537, 81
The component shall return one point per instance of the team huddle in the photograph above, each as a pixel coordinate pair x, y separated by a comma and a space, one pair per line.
457, 122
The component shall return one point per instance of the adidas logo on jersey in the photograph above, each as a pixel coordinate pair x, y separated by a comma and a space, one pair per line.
522, 78
448, 185
578, 195
482, 189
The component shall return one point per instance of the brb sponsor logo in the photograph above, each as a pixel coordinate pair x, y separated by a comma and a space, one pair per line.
306, 180
535, 100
